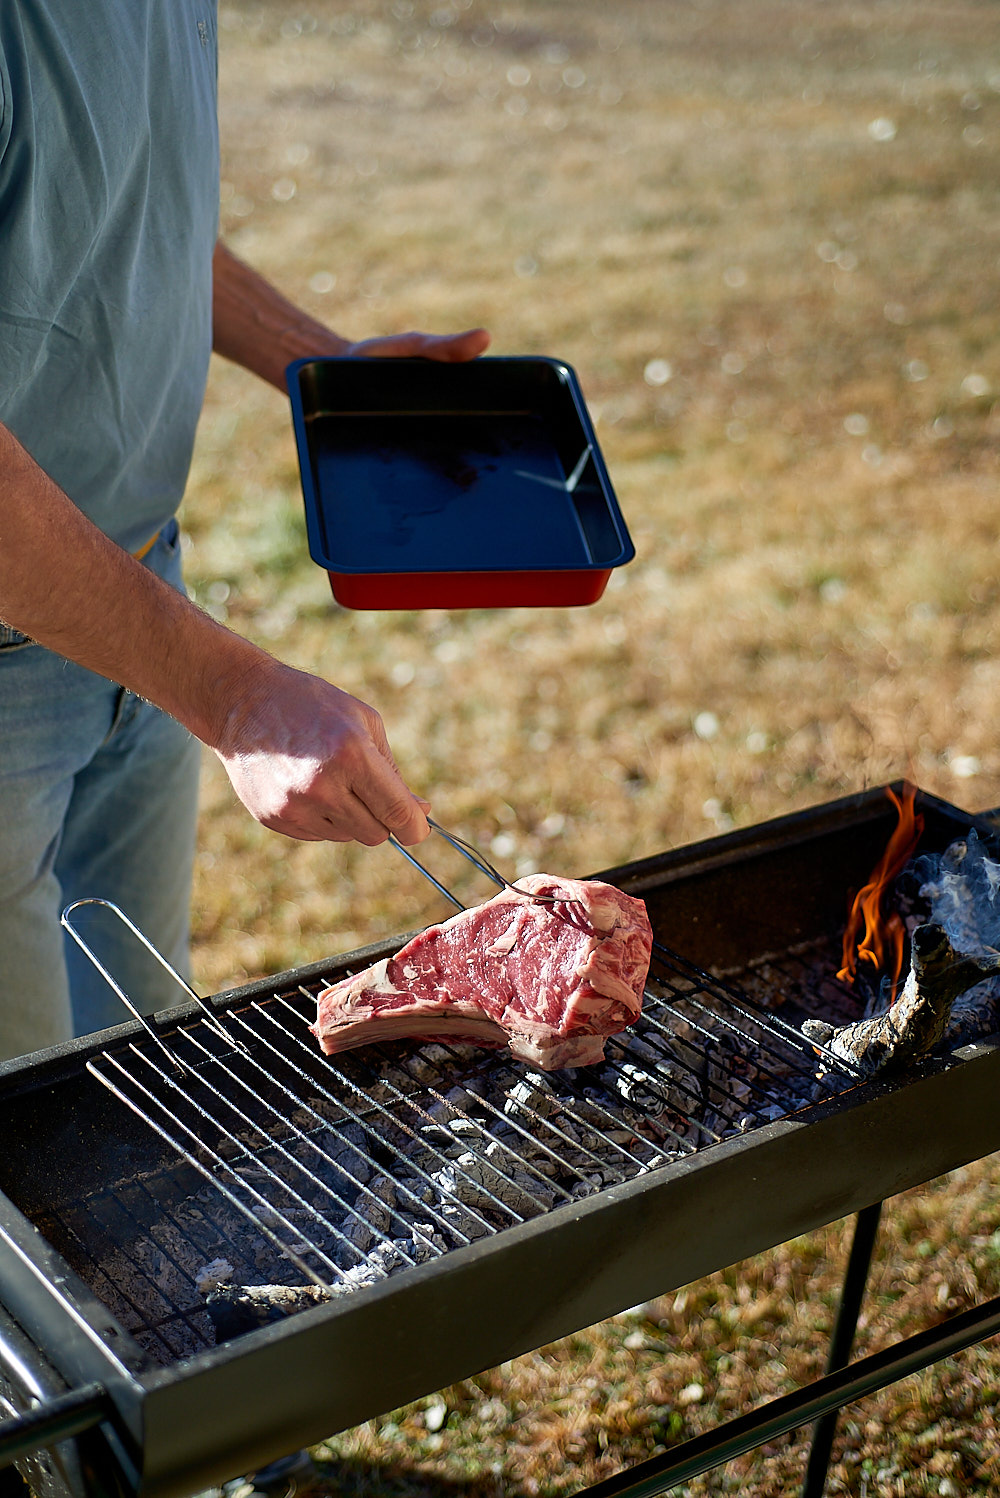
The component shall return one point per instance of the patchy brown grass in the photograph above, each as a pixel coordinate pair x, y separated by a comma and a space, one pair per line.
793, 207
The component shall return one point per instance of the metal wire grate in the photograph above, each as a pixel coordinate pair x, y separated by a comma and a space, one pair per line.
277, 1166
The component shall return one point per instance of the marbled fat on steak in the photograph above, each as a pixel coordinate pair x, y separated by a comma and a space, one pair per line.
550, 979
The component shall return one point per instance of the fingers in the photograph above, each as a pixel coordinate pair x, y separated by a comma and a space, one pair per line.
380, 788
348, 819
358, 796
458, 346
331, 811
445, 347
389, 805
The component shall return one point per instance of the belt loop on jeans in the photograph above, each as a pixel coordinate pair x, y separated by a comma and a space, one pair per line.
145, 550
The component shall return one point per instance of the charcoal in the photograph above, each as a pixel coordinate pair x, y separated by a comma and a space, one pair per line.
567, 1129
385, 1259
531, 1098
638, 1086
454, 1137
373, 1217
467, 1132
428, 1149
653, 1049
545, 1166
464, 1225
587, 1186
962, 889
480, 1184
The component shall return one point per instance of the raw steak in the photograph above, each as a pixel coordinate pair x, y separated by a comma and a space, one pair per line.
550, 979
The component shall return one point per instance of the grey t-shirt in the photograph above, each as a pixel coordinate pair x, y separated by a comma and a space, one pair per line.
109, 176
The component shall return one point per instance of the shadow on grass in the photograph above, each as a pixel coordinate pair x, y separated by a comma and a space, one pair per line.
396, 1479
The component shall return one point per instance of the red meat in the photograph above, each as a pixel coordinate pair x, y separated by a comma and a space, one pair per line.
550, 979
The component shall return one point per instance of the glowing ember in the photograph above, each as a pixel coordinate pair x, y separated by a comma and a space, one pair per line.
884, 939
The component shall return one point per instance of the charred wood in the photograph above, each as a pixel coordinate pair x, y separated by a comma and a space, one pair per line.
236, 1309
915, 1023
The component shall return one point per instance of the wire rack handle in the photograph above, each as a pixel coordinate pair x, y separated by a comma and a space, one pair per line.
182, 983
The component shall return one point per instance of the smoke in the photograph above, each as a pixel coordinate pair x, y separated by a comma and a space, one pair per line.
962, 889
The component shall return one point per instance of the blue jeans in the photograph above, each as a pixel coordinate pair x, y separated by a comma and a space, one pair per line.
98, 797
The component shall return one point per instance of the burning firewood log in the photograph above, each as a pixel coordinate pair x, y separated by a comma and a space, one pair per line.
916, 1021
235, 1309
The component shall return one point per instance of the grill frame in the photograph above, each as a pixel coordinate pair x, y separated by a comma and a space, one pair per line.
248, 1401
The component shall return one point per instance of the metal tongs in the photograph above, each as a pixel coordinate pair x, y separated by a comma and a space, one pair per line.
479, 861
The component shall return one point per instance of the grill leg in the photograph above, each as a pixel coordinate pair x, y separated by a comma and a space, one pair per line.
12, 1484
852, 1295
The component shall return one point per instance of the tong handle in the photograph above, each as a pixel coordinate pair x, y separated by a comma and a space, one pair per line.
473, 855
441, 888
478, 860
467, 851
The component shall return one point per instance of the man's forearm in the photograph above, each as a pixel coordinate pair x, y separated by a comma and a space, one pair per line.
254, 325
66, 585
304, 757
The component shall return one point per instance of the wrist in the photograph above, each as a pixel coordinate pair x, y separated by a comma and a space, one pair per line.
256, 326
240, 696
307, 339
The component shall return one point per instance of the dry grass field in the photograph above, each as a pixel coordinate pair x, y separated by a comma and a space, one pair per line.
766, 233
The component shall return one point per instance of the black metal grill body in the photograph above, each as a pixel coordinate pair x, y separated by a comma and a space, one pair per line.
756, 906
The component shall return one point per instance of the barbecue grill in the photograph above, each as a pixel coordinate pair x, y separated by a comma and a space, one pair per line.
218, 1245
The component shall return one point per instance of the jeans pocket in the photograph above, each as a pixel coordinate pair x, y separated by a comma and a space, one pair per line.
166, 558
170, 537
12, 639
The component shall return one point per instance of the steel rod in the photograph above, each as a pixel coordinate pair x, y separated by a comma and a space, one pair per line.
479, 860
441, 888
779, 1416
209, 1015
56, 1420
851, 1299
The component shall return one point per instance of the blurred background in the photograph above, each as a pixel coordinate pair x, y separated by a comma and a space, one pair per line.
767, 237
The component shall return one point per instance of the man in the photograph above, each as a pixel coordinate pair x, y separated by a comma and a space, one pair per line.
112, 292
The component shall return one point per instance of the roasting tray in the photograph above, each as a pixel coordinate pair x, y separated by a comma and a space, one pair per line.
472, 485
727, 902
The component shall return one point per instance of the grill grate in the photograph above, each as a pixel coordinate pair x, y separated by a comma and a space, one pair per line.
281, 1167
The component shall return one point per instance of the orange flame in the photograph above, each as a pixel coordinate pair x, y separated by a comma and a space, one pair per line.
884, 939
